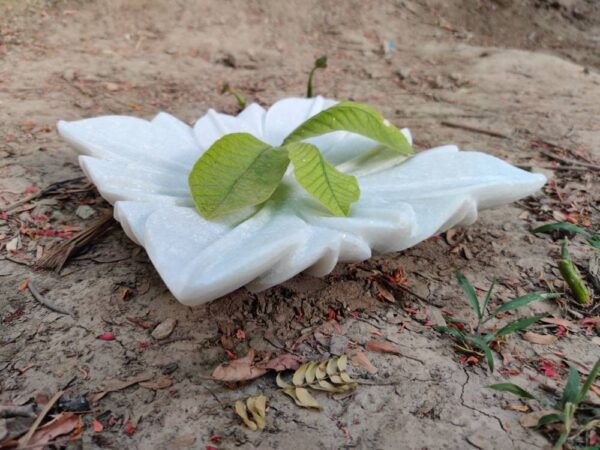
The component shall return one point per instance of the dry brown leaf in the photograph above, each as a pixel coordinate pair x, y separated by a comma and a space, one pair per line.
564, 322
280, 383
520, 408
331, 368
285, 361
299, 375
360, 359
311, 372
305, 399
117, 385
241, 369
159, 383
531, 419
64, 423
240, 410
385, 294
375, 345
258, 408
542, 339
320, 372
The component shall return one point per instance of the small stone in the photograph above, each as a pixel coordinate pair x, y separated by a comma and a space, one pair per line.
69, 75
85, 211
169, 368
338, 345
112, 87
164, 329
14, 244
75, 403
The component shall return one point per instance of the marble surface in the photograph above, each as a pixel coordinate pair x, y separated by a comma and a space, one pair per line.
141, 167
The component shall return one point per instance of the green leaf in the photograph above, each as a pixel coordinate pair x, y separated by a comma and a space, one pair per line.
486, 349
236, 172
320, 63
488, 295
593, 239
517, 326
569, 395
549, 227
588, 383
335, 190
470, 293
454, 332
548, 419
525, 300
561, 440
356, 118
513, 389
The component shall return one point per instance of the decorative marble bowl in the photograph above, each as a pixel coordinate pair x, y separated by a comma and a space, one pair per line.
141, 167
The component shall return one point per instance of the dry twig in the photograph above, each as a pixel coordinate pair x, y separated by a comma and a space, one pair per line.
60, 254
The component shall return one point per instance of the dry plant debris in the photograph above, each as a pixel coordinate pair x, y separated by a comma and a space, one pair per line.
329, 376
257, 407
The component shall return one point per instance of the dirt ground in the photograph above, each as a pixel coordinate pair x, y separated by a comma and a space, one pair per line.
527, 70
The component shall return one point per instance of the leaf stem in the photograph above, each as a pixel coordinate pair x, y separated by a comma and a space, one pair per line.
320, 63
572, 276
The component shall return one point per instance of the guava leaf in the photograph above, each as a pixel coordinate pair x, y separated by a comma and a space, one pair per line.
356, 118
334, 189
236, 172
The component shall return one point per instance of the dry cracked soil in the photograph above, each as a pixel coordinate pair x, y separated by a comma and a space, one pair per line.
518, 79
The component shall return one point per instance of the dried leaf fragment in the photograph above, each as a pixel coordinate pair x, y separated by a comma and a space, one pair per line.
375, 345
241, 369
258, 408
241, 410
542, 339
305, 399
299, 375
360, 359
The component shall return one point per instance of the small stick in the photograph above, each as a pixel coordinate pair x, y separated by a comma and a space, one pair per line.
17, 411
474, 129
568, 160
25, 440
58, 255
40, 299
47, 190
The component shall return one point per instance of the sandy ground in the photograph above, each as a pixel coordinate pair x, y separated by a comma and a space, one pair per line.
526, 70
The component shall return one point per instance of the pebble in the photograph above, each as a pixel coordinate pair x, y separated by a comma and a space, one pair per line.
164, 329
85, 211
338, 345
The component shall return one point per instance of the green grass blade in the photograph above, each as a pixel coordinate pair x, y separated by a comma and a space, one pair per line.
488, 295
355, 118
571, 388
564, 226
513, 389
471, 295
486, 349
524, 300
236, 172
588, 383
548, 419
517, 326
455, 333
561, 440
334, 189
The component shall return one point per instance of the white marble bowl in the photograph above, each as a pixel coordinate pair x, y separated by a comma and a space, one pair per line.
141, 167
